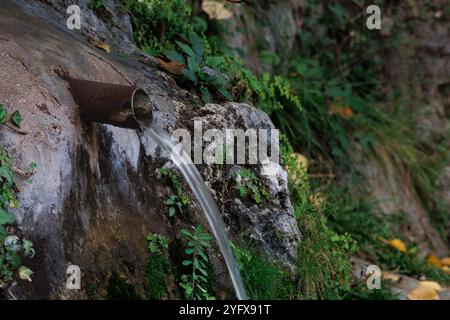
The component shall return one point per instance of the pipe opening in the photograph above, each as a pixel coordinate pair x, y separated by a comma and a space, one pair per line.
118, 105
141, 108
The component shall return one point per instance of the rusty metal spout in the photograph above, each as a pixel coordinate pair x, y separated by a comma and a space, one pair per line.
119, 105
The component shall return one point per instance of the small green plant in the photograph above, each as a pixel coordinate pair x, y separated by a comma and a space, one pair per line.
157, 243
276, 94
96, 5
200, 71
12, 248
178, 202
158, 23
15, 117
195, 284
157, 267
249, 185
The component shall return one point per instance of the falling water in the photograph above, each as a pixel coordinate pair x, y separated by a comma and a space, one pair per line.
204, 197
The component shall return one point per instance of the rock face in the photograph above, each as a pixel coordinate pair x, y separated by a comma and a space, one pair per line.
267, 221
96, 195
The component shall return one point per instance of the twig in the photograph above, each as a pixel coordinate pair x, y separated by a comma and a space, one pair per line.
21, 172
14, 128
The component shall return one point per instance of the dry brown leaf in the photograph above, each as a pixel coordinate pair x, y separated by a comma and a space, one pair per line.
398, 244
100, 44
445, 262
423, 292
317, 199
216, 10
433, 261
391, 276
300, 160
337, 107
172, 66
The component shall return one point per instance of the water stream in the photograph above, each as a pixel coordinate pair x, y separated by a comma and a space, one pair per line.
204, 197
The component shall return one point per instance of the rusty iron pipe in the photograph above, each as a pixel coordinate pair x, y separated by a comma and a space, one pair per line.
118, 105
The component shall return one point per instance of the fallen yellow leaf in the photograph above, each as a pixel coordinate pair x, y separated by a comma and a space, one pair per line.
445, 262
100, 44
432, 284
433, 261
398, 244
423, 293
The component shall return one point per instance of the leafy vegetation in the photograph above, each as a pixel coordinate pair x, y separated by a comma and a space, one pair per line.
15, 117
195, 284
12, 247
200, 71
157, 267
264, 280
249, 185
156, 23
96, 5
324, 270
177, 202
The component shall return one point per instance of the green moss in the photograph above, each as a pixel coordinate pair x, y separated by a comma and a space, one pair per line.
120, 289
156, 276
263, 279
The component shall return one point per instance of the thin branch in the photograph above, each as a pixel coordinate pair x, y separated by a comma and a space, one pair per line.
22, 172
14, 128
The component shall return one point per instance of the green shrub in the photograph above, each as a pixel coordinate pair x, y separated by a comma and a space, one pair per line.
201, 70
323, 269
158, 23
